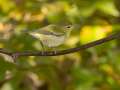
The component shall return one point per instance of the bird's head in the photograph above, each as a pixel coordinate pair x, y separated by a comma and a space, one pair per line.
68, 27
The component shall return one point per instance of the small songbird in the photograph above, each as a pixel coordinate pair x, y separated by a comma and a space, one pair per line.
52, 35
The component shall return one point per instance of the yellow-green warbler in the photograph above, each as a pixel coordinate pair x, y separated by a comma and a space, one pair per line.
52, 35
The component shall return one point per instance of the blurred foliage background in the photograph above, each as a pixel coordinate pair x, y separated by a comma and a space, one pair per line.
97, 68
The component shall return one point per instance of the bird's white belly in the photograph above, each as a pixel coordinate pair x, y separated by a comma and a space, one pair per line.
53, 41
50, 40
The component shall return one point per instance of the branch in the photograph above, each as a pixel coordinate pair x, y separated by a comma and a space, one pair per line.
60, 52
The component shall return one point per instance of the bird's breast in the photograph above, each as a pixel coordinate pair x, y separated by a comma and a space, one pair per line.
53, 41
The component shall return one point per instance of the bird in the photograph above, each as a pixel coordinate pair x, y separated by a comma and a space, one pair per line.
52, 35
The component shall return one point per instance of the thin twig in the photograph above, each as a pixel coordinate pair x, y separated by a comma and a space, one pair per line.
60, 52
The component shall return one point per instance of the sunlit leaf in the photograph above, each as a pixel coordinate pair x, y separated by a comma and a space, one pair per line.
6, 5
92, 33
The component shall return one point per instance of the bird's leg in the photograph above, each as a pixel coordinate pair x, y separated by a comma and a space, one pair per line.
52, 49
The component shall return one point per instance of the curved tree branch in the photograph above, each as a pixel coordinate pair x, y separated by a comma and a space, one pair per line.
17, 54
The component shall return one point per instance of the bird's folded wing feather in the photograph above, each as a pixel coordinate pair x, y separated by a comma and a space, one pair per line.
50, 30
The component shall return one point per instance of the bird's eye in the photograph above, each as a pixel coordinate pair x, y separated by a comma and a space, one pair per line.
68, 26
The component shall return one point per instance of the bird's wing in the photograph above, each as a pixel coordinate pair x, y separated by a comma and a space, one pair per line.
49, 30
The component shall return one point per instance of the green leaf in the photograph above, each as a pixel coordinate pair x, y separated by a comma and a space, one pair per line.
5, 66
108, 7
